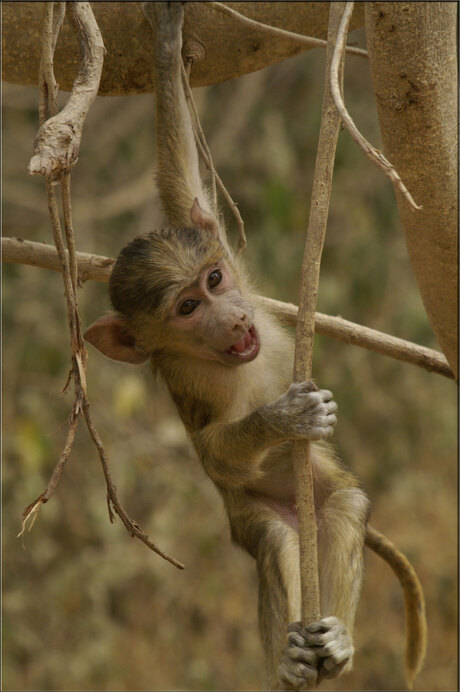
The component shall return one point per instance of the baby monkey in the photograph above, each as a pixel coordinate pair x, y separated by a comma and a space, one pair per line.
183, 301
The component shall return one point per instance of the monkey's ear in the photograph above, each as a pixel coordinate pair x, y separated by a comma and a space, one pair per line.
202, 219
110, 336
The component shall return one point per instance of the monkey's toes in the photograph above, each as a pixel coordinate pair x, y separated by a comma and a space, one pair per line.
298, 669
332, 645
298, 676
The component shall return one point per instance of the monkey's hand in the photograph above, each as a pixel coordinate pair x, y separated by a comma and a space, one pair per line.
305, 412
321, 650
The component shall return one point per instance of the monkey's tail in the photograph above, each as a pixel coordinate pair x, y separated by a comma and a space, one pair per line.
414, 600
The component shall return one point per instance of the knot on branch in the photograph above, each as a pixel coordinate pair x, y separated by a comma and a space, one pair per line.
193, 51
56, 148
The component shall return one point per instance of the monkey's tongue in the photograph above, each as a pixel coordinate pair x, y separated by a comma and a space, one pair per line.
243, 344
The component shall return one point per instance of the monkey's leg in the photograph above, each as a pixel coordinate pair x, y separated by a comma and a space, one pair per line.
279, 604
341, 529
325, 648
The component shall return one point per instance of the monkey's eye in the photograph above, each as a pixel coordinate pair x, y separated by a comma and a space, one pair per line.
214, 278
188, 306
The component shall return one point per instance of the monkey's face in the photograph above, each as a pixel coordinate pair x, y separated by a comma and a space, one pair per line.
176, 295
211, 320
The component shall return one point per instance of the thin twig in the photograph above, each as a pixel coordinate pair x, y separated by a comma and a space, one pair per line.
68, 227
32, 510
206, 156
282, 33
200, 133
132, 526
99, 268
48, 87
303, 355
371, 152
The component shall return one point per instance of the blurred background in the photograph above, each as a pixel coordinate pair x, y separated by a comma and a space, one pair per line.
85, 607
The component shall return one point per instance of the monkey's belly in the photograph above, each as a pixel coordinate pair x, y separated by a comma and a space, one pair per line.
285, 510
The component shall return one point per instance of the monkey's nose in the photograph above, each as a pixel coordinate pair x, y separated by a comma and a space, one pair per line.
240, 322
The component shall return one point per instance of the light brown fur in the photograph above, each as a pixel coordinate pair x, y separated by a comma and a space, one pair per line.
241, 415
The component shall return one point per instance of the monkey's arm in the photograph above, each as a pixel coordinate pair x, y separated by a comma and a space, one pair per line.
232, 452
178, 176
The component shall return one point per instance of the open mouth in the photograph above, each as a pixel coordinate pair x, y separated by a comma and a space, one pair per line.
247, 347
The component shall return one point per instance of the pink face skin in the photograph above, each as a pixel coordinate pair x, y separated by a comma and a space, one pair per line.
214, 320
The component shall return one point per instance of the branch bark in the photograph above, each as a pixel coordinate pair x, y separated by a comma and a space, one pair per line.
309, 282
127, 38
99, 268
413, 60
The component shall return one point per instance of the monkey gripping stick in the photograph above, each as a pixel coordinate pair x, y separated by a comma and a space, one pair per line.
316, 231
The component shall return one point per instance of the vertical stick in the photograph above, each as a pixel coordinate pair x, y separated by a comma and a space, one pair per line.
319, 208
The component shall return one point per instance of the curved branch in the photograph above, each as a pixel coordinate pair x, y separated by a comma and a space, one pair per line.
371, 152
309, 41
98, 268
57, 142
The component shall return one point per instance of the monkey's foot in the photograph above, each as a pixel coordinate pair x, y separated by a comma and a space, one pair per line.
333, 647
298, 669
321, 650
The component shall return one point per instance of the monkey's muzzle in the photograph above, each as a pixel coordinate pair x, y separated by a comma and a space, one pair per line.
247, 348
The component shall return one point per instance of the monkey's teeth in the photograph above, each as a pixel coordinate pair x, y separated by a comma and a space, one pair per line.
243, 353
246, 346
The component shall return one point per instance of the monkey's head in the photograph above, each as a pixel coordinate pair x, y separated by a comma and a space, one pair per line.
176, 293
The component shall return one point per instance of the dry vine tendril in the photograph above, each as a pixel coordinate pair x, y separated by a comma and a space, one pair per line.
205, 154
55, 153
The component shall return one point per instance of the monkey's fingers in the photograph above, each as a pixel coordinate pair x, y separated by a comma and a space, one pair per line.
331, 666
323, 631
324, 427
297, 651
326, 395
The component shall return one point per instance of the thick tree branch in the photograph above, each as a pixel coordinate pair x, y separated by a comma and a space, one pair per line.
414, 72
126, 35
98, 268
